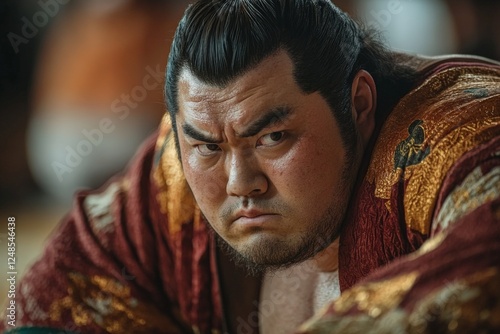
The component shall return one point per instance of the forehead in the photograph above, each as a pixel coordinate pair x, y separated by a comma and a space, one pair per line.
269, 84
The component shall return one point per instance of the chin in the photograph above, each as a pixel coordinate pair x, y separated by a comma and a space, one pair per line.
266, 252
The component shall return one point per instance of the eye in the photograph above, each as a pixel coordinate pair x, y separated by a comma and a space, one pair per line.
207, 149
271, 139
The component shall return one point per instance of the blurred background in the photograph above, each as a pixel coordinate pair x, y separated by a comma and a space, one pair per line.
81, 88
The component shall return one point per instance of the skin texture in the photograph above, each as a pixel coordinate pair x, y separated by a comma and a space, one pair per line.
266, 162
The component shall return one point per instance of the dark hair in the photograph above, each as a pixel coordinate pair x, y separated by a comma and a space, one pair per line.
219, 40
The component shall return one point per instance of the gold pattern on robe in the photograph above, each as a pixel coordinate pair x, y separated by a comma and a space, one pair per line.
469, 305
175, 197
463, 306
476, 190
377, 300
428, 246
107, 303
454, 122
98, 207
425, 179
378, 297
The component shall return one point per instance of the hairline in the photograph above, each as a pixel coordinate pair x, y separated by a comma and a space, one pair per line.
184, 67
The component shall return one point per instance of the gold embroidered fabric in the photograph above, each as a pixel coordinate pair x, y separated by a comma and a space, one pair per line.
107, 303
378, 297
451, 113
376, 300
476, 190
466, 306
98, 207
175, 197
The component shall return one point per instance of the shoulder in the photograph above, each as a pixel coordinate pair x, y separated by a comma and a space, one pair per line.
115, 260
434, 172
453, 113
455, 109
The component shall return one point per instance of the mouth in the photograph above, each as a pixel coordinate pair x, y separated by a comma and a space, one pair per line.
254, 218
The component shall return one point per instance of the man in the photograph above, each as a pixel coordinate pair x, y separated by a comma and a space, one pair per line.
315, 159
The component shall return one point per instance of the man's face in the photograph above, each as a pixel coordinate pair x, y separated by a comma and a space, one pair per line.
265, 162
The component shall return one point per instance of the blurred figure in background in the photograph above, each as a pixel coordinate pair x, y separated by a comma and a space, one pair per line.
477, 26
421, 27
98, 90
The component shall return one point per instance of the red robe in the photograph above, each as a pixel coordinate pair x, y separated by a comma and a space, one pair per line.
419, 251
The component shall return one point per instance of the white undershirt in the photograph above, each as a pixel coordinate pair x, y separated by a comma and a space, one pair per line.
327, 289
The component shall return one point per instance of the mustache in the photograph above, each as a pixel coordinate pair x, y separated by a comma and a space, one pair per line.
276, 206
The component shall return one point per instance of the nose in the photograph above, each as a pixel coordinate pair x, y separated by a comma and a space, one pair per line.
245, 177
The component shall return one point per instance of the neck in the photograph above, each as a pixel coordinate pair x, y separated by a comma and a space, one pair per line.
328, 259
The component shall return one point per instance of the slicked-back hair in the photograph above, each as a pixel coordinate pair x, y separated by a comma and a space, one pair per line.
220, 40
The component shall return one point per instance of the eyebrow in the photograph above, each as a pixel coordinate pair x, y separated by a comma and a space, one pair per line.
190, 131
271, 118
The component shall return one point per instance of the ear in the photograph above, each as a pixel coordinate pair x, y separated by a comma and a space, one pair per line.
364, 103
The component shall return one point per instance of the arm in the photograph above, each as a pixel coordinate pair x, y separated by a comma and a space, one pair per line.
103, 268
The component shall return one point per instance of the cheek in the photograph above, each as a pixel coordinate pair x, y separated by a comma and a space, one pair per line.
207, 186
310, 171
